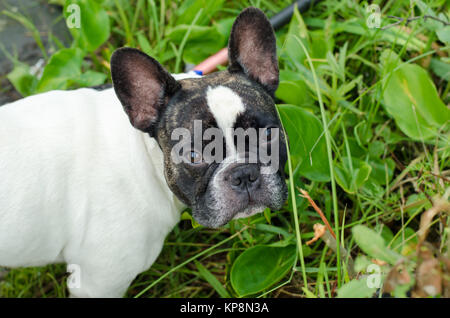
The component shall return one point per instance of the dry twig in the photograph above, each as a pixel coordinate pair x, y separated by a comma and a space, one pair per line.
305, 194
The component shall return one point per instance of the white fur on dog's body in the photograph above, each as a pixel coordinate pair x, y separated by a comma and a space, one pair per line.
80, 185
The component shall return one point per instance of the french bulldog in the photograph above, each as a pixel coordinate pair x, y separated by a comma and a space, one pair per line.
81, 185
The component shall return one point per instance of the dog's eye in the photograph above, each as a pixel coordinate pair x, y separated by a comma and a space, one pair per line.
269, 133
195, 157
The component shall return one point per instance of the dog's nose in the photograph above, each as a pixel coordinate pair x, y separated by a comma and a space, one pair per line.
245, 177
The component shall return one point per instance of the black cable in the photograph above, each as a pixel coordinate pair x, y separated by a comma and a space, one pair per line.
284, 16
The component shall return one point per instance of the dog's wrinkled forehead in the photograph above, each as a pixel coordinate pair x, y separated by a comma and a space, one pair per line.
222, 100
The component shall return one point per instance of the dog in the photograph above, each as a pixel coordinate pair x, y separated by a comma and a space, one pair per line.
89, 177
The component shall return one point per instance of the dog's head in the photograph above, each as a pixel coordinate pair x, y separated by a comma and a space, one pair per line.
224, 149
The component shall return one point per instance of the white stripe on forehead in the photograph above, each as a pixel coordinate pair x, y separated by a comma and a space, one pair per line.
225, 105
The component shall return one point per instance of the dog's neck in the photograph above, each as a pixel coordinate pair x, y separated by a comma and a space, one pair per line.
156, 157
148, 160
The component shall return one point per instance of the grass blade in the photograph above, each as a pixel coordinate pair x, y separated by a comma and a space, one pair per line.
330, 158
212, 280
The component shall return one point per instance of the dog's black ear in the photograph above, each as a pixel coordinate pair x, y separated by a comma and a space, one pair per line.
142, 85
252, 49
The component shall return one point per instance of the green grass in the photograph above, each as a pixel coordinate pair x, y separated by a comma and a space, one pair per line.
339, 69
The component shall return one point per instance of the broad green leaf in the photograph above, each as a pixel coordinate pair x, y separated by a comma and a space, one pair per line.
441, 68
410, 97
260, 267
293, 89
94, 27
224, 26
376, 149
391, 137
306, 142
382, 169
297, 32
288, 75
352, 174
21, 78
373, 244
355, 149
444, 34
357, 288
320, 45
363, 133
64, 66
389, 60
89, 78
293, 92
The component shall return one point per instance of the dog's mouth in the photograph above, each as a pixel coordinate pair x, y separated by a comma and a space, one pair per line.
218, 218
248, 207
213, 216
251, 210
